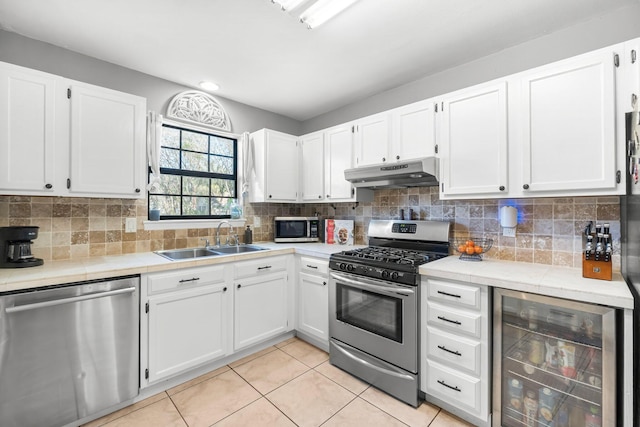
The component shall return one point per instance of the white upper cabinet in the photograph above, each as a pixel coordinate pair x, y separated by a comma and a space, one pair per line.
107, 142
473, 140
312, 170
372, 139
27, 130
413, 131
338, 157
568, 125
276, 167
59, 137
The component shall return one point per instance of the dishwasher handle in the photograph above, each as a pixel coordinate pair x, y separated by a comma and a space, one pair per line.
52, 303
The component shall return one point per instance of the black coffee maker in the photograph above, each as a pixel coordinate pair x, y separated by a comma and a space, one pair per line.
15, 247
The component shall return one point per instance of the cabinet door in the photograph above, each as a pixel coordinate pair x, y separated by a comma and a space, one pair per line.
188, 328
107, 142
281, 167
339, 156
260, 309
474, 141
312, 170
27, 130
313, 306
413, 131
568, 124
372, 139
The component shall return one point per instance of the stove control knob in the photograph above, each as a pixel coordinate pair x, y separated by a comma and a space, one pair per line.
342, 266
385, 274
350, 267
394, 275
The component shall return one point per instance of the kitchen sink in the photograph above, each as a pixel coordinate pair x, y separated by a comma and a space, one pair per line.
190, 253
174, 254
240, 249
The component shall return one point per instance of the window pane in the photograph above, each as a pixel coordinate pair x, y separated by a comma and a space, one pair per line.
222, 146
170, 137
223, 187
195, 206
169, 184
192, 186
220, 206
168, 205
195, 162
169, 158
194, 141
221, 165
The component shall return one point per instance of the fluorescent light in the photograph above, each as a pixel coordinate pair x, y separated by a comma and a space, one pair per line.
211, 86
288, 4
323, 10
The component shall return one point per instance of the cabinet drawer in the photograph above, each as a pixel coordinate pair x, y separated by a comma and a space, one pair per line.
260, 266
454, 320
454, 293
163, 282
458, 389
314, 266
455, 351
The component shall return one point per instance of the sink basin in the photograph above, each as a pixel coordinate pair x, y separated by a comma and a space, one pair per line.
240, 249
188, 253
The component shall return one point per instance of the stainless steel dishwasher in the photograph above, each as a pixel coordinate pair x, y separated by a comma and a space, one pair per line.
68, 351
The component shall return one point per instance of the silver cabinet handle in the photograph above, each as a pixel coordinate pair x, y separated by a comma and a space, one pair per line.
449, 295
455, 322
195, 279
68, 300
443, 348
312, 266
449, 386
264, 268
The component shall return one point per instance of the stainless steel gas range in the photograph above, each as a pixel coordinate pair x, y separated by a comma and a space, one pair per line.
374, 303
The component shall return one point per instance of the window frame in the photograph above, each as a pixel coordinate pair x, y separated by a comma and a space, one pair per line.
196, 174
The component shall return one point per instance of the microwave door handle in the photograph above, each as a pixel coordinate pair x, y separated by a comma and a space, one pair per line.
372, 286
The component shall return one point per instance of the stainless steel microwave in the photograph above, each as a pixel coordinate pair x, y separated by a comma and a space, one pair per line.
296, 229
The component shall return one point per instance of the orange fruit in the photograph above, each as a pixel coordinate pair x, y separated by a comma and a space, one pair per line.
470, 250
462, 248
478, 249
470, 243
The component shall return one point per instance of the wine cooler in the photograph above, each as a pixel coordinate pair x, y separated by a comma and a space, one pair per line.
554, 362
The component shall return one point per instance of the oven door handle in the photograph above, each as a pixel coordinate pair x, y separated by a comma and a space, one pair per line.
371, 365
372, 286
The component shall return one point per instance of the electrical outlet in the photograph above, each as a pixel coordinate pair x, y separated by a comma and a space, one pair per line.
130, 225
509, 231
256, 221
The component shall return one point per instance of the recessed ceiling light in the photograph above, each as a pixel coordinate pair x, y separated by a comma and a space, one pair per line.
209, 86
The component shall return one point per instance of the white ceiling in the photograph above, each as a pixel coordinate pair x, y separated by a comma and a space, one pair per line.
263, 57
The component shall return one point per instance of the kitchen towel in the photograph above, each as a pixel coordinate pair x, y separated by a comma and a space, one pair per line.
154, 139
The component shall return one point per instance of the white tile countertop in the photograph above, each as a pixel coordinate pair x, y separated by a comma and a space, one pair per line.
70, 271
554, 281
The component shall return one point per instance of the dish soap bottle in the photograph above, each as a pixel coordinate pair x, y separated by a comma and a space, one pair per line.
248, 235
235, 210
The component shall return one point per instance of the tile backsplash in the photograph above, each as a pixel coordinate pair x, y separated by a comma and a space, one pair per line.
549, 230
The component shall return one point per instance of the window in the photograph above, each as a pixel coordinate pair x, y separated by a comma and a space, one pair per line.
198, 175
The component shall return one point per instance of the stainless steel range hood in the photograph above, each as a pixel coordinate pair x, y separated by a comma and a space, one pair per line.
421, 172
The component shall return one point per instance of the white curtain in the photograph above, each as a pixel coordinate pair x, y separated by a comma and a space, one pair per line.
154, 138
248, 166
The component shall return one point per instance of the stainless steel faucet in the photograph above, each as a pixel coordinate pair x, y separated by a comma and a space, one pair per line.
206, 241
218, 232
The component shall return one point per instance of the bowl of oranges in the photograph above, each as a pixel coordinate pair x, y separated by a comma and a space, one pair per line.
471, 249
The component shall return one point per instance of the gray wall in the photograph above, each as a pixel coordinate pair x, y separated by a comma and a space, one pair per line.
618, 26
46, 57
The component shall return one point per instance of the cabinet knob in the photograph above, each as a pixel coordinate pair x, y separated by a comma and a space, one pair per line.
324, 283
224, 289
384, 159
397, 157
48, 186
239, 286
269, 195
137, 190
319, 196
502, 188
526, 186
328, 196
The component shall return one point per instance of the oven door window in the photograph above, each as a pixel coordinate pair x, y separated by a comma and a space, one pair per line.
373, 312
291, 229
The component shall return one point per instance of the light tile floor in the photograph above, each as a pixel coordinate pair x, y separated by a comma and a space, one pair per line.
289, 384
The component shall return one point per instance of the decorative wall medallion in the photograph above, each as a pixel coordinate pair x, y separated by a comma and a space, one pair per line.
198, 107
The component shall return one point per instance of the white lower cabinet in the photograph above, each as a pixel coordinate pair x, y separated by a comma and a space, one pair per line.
187, 320
262, 304
455, 364
313, 299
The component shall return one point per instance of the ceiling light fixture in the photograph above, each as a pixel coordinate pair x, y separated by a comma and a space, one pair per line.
313, 13
210, 86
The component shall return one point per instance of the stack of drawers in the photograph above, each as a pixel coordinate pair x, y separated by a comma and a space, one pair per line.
455, 369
